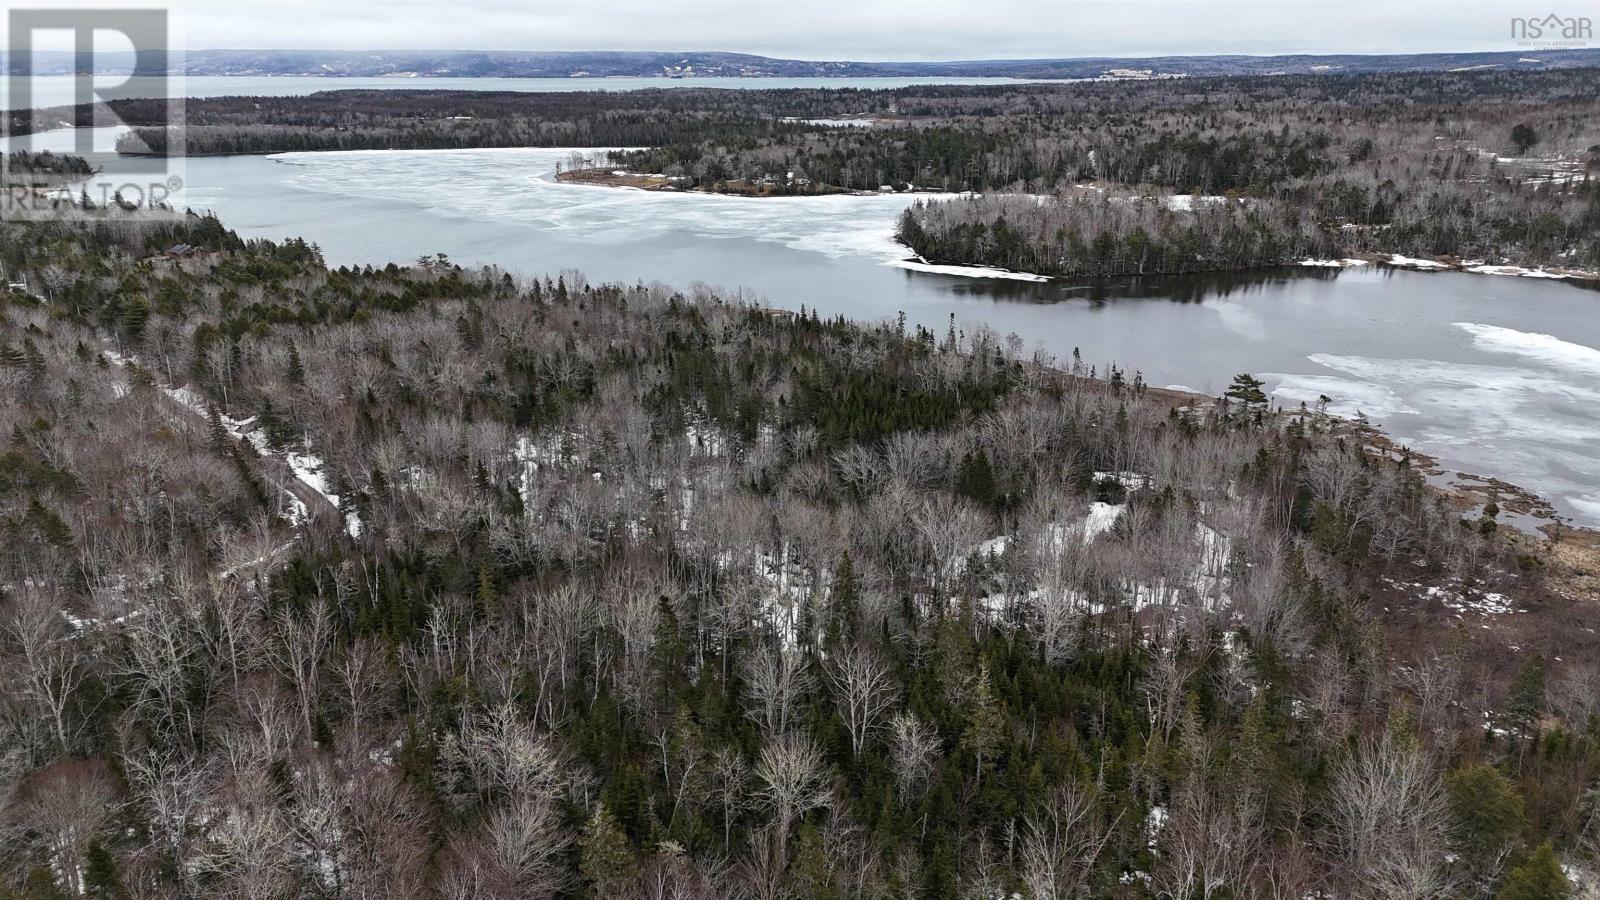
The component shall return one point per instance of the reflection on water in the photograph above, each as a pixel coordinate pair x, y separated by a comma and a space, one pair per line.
1196, 287
1191, 288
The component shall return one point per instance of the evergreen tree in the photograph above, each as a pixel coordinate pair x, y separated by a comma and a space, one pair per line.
975, 477
1540, 878
985, 724
1487, 818
1525, 700
844, 603
279, 431
100, 879
604, 854
1246, 391
217, 437
810, 867
50, 527
134, 318
486, 594
297, 371
1523, 137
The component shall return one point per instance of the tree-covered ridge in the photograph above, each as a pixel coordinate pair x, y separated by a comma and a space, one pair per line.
419, 580
1163, 115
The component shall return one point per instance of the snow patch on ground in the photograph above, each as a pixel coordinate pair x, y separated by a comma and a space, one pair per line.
1476, 267
305, 466
1154, 823
268, 557
1460, 599
80, 625
1187, 202
1055, 537
1102, 518
706, 440
1334, 263
791, 584
1133, 481
310, 470
1409, 262
189, 398
1513, 270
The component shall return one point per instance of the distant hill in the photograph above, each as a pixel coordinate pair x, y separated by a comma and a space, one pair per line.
600, 64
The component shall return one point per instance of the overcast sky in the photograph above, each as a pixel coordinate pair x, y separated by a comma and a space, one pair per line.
872, 29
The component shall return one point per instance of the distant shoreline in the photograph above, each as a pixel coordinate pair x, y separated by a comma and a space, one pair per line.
670, 65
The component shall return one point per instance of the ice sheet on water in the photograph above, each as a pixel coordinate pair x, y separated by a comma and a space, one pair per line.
966, 271
1239, 318
1348, 396
1542, 348
1534, 416
519, 185
1588, 505
1492, 402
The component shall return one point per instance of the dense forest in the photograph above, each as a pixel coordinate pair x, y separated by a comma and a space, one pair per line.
22, 168
1112, 235
1009, 136
432, 582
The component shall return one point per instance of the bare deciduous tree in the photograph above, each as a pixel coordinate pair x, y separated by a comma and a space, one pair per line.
1060, 844
774, 681
914, 749
516, 854
52, 668
302, 651
864, 690
792, 779
366, 684
58, 812
1390, 821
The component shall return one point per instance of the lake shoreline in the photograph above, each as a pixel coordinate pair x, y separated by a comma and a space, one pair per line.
1526, 518
917, 262
1452, 264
